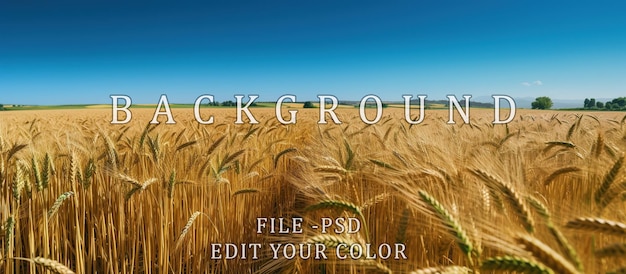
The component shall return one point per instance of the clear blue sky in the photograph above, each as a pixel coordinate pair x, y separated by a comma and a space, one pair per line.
70, 52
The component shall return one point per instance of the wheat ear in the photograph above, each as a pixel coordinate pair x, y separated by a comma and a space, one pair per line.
612, 193
555, 174
187, 144
53, 265
244, 191
608, 180
170, 184
57, 204
336, 204
564, 244
450, 222
341, 205
140, 187
48, 264
452, 269
598, 225
517, 203
186, 228
618, 249
517, 264
46, 171
599, 146
343, 243
215, 144
331, 241
8, 233
546, 255
37, 174
383, 164
277, 157
618, 271
331, 169
18, 181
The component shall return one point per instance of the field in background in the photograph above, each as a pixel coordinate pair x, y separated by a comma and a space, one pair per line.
544, 193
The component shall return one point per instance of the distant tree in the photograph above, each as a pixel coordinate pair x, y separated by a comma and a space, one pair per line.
308, 104
1, 107
586, 103
620, 101
228, 103
608, 105
542, 102
599, 104
592, 103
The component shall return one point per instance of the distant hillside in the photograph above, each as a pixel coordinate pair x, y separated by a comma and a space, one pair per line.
427, 103
525, 102
472, 103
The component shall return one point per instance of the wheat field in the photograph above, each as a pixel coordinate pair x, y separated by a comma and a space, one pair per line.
543, 194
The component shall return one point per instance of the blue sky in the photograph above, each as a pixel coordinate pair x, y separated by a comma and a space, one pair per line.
71, 52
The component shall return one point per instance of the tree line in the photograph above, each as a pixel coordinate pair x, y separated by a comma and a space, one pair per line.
615, 104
